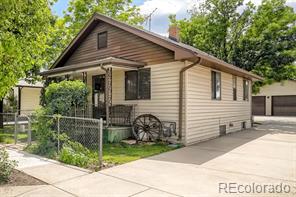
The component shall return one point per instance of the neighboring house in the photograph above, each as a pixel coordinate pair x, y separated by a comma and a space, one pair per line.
277, 99
121, 64
24, 98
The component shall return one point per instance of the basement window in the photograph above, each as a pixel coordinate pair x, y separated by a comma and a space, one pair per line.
102, 40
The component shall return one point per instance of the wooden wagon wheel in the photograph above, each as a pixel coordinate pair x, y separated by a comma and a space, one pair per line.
147, 127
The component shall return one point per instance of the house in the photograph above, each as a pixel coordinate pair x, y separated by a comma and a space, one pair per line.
124, 65
276, 99
23, 98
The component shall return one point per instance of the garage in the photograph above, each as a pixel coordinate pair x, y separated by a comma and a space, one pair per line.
284, 105
258, 105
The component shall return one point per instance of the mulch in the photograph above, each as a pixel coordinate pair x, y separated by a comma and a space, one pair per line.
19, 178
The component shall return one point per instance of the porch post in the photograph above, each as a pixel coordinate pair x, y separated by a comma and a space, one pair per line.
108, 92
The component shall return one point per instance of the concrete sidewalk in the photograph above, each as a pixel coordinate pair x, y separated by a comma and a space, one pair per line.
59, 178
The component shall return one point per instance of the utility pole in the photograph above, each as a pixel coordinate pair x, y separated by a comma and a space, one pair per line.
149, 18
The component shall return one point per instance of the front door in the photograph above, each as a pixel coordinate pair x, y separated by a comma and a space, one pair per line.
98, 96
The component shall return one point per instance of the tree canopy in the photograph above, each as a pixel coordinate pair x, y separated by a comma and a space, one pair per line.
31, 37
24, 25
259, 39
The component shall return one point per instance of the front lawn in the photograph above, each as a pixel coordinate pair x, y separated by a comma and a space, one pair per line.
113, 153
7, 136
120, 153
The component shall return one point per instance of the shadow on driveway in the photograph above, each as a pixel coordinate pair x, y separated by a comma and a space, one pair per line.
203, 152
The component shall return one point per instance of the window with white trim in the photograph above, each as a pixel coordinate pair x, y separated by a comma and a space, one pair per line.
216, 85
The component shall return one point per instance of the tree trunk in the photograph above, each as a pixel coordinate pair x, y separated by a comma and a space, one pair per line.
1, 113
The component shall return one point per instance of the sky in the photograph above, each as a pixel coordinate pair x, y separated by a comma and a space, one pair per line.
160, 19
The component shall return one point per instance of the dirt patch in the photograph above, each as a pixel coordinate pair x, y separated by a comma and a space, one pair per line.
19, 178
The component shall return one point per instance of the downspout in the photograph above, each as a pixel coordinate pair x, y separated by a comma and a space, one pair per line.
181, 96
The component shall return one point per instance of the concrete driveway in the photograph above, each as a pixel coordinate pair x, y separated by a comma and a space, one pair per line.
255, 162
265, 155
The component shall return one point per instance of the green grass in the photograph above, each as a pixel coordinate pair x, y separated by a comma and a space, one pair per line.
115, 153
7, 136
120, 153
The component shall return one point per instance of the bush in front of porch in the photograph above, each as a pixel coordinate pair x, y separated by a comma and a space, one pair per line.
59, 98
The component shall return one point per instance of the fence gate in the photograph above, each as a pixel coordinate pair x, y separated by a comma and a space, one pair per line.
23, 129
15, 129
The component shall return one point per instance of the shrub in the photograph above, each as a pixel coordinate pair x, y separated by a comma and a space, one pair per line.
61, 97
74, 153
6, 166
45, 135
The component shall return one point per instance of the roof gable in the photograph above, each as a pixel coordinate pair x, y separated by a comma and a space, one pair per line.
120, 44
181, 51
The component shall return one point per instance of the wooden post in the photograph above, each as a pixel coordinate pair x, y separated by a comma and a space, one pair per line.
108, 92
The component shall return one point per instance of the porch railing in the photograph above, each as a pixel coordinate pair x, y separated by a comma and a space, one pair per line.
120, 115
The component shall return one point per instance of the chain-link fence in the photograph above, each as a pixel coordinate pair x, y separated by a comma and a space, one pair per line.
22, 129
15, 128
87, 132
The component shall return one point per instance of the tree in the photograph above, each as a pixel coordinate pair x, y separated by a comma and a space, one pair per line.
268, 47
260, 40
215, 26
24, 26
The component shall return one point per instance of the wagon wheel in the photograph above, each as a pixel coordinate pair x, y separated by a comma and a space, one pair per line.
147, 127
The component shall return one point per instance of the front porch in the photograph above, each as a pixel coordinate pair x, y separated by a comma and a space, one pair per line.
120, 91
103, 102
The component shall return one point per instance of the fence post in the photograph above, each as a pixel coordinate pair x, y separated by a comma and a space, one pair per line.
29, 140
15, 128
58, 127
100, 143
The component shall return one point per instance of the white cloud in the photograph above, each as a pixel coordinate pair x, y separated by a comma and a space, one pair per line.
160, 19
166, 7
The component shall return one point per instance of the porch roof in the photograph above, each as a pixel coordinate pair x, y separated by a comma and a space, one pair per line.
112, 61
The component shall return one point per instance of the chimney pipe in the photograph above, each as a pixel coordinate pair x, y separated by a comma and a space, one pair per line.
174, 33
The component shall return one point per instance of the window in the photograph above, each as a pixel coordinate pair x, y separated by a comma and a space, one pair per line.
137, 84
102, 40
234, 87
246, 90
216, 85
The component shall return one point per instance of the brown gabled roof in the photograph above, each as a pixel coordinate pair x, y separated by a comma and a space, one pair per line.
181, 51
88, 65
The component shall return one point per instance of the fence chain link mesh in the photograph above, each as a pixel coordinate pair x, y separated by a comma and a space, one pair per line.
86, 131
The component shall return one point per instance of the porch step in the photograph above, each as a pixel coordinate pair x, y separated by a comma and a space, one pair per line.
116, 134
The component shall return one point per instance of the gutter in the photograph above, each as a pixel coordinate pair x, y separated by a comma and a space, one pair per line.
181, 96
